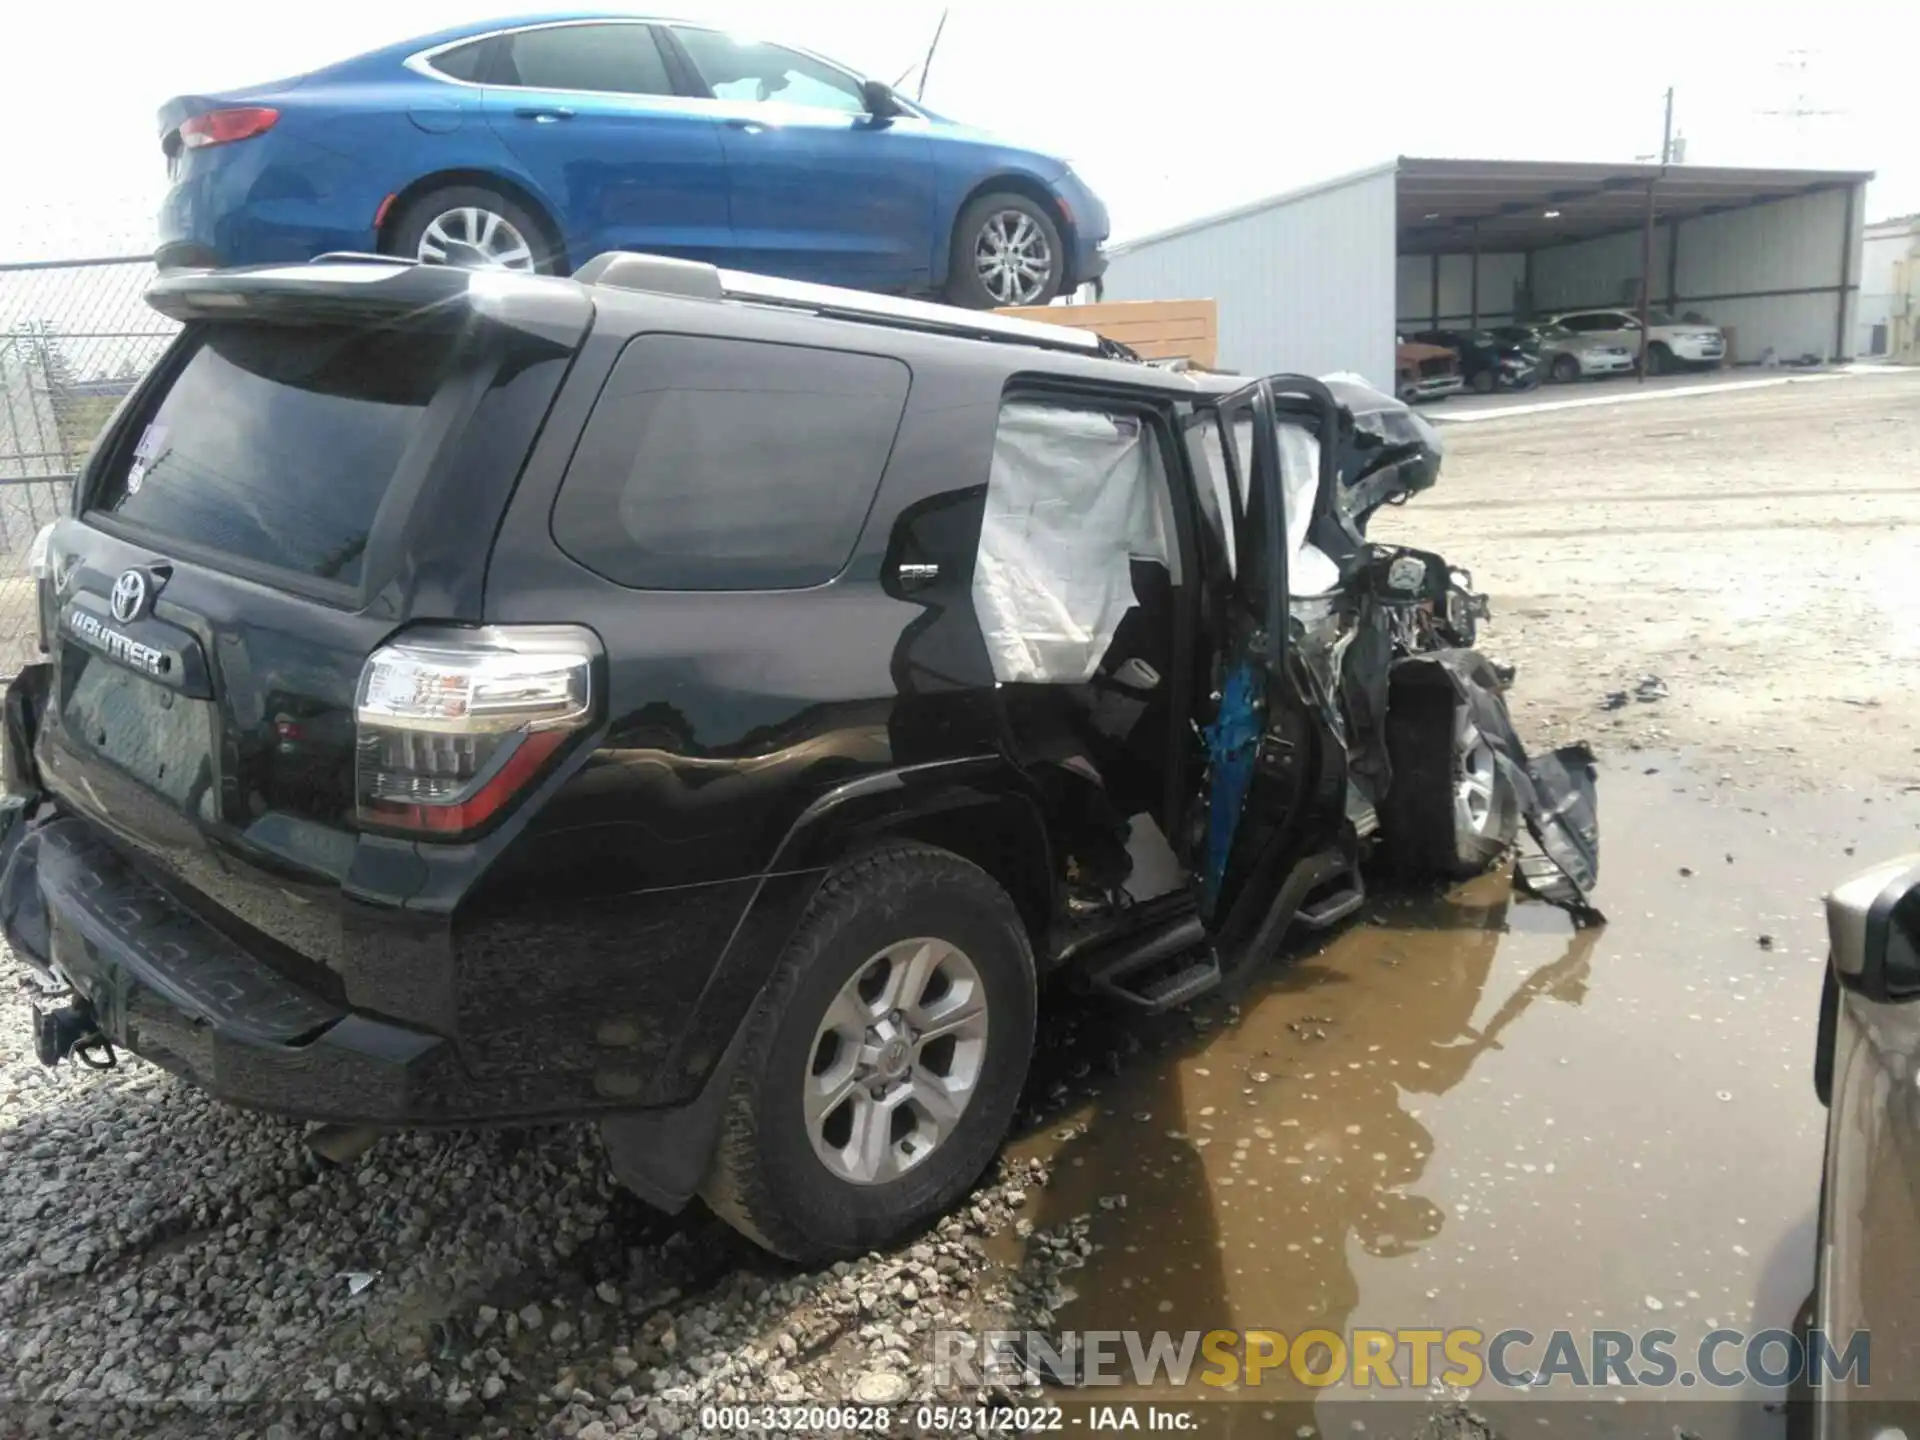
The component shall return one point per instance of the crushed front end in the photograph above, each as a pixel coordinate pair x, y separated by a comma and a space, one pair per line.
1402, 620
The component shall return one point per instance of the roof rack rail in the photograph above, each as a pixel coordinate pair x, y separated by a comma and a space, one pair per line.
658, 274
360, 257
841, 304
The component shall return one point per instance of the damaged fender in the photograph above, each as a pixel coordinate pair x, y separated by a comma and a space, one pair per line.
1556, 792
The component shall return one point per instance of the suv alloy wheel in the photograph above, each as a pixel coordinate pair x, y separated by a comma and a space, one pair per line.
884, 1061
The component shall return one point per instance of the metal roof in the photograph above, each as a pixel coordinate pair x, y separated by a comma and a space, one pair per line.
1446, 205
1441, 202
1255, 207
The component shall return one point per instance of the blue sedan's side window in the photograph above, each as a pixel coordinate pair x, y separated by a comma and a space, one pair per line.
466, 62
749, 70
611, 59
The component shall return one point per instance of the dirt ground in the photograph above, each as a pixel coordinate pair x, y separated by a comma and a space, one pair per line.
1753, 549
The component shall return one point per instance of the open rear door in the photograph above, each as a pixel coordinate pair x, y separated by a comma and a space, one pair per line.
1275, 773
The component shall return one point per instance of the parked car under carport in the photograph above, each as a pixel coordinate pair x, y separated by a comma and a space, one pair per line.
1487, 362
1565, 356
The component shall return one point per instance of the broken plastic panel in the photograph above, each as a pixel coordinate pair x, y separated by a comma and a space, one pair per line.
1073, 498
1556, 793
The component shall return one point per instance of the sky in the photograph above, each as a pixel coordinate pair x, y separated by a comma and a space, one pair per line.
1170, 110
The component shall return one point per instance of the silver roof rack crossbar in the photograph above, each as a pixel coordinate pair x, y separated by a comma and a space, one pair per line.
661, 275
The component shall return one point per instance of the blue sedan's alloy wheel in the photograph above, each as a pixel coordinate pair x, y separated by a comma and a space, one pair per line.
476, 239
475, 228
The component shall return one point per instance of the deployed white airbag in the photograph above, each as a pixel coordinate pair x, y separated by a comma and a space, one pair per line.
1309, 570
1073, 497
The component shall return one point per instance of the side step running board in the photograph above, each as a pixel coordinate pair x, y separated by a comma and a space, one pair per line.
1334, 899
1320, 891
1173, 962
1168, 965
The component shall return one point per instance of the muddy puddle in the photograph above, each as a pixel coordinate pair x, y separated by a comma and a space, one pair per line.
1463, 1112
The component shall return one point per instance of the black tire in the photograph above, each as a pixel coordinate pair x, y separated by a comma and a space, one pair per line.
1423, 831
964, 285
1484, 382
1565, 369
1659, 359
406, 229
766, 1179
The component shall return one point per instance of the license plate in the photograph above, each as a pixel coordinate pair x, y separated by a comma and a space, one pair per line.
160, 738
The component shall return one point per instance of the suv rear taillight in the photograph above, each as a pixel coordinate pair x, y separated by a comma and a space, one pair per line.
223, 127
451, 725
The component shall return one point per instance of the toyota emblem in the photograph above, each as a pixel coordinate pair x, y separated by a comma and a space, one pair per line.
129, 599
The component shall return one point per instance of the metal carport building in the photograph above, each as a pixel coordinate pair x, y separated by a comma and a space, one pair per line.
1321, 279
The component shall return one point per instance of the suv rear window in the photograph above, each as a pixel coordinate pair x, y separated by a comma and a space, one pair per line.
729, 464
276, 444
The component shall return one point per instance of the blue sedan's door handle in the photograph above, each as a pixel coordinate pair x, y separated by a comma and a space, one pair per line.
752, 127
545, 114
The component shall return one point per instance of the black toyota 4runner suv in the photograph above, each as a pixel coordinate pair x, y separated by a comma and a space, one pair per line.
711, 706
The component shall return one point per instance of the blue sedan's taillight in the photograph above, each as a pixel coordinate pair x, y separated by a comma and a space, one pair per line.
223, 127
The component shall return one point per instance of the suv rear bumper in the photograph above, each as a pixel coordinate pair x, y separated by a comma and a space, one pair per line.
165, 984
153, 973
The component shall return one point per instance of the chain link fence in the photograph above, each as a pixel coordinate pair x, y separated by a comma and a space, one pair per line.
75, 337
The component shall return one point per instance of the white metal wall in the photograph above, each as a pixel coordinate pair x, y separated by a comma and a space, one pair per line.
1305, 282
1416, 308
1880, 299
1763, 254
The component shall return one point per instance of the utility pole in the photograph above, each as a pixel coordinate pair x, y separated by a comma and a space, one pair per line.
1646, 242
1646, 282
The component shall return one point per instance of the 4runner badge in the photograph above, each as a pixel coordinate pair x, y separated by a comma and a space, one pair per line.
85, 626
129, 598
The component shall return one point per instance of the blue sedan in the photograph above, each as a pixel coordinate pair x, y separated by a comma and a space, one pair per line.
537, 144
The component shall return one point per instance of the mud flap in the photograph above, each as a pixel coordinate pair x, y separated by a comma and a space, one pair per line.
1556, 792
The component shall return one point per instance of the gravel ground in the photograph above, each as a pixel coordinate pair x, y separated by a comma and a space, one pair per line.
170, 1266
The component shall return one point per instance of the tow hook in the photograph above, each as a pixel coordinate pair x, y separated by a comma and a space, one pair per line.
71, 1030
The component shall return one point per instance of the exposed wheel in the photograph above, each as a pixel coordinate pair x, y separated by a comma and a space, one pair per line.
1659, 359
1006, 251
474, 227
1565, 369
884, 1061
1448, 810
1483, 382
